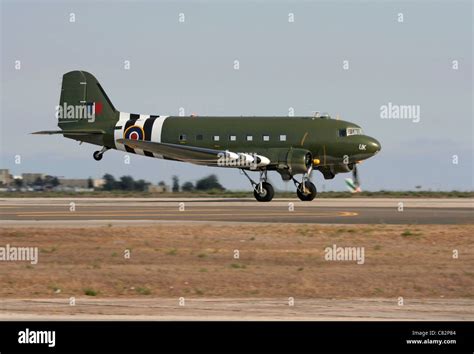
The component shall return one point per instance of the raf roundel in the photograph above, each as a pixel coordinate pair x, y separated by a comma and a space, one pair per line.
134, 133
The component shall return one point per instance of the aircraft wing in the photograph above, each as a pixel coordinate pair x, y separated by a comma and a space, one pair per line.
175, 151
197, 155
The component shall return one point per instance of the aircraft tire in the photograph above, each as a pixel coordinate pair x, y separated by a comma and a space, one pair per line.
267, 194
306, 197
97, 155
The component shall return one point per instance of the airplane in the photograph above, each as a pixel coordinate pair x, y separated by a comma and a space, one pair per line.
288, 145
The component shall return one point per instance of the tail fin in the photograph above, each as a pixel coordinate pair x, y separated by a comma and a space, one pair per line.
84, 104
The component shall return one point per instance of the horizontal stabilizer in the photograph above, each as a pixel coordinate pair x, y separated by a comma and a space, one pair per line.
70, 132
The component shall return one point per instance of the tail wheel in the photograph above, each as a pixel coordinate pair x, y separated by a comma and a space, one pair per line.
97, 155
266, 194
308, 194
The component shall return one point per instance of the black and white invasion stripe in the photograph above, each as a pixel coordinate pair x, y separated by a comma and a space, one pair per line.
151, 124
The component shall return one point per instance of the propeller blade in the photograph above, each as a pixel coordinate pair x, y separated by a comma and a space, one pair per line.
353, 183
350, 185
355, 176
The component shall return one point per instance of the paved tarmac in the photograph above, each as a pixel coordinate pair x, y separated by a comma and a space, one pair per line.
249, 309
324, 211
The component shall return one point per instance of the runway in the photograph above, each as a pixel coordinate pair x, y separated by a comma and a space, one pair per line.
323, 211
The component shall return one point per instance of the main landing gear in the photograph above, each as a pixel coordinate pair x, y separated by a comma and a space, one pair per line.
262, 191
98, 154
305, 190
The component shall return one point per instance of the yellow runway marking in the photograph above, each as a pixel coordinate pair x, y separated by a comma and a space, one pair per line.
348, 213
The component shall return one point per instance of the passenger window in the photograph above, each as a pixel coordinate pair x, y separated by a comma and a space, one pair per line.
182, 137
232, 138
249, 138
266, 138
282, 137
216, 138
199, 137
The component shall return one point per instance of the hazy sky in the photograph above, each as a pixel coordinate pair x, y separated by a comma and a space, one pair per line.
282, 64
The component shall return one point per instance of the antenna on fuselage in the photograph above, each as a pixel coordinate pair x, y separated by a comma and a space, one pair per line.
318, 114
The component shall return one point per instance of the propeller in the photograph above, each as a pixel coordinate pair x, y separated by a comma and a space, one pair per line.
355, 176
354, 183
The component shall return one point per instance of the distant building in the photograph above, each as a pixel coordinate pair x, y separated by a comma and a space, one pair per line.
5, 177
98, 182
30, 178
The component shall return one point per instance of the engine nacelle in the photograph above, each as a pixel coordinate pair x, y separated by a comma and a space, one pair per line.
329, 172
299, 161
342, 168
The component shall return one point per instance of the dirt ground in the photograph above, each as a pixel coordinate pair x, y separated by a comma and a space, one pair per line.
240, 309
198, 260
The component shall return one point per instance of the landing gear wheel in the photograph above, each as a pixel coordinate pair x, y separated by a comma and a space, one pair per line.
267, 192
310, 191
97, 155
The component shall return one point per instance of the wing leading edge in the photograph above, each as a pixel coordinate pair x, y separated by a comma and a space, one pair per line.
197, 155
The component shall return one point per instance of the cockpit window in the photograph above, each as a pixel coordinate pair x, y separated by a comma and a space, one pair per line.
354, 131
350, 131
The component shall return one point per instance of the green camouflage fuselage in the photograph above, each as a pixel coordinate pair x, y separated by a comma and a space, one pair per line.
289, 145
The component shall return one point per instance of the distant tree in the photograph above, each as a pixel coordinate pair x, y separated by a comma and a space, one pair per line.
18, 182
50, 181
208, 183
187, 187
38, 181
109, 182
162, 183
141, 185
127, 183
90, 183
175, 187
55, 181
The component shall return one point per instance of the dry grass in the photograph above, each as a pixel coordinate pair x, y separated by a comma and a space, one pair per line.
172, 260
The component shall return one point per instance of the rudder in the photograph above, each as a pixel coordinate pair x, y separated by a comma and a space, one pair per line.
80, 90
85, 105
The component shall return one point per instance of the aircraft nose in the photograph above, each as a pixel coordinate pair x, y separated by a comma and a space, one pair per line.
373, 146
